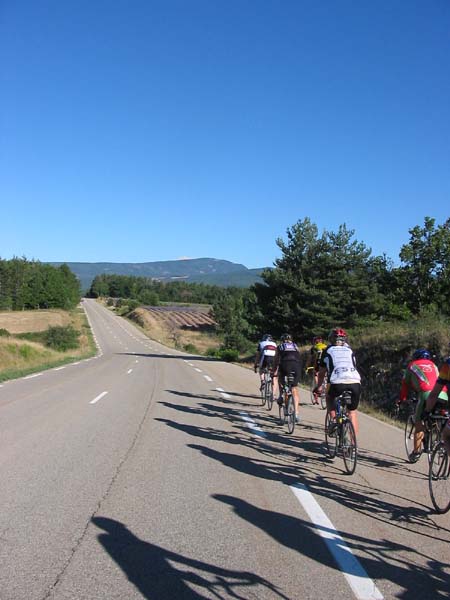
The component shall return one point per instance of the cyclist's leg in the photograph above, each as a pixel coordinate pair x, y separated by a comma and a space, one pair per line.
355, 389
295, 391
418, 423
332, 393
281, 376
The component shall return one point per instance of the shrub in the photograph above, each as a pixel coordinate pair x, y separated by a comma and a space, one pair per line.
190, 348
133, 305
61, 338
4, 333
228, 354
27, 352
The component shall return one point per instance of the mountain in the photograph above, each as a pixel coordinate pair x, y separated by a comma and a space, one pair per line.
200, 270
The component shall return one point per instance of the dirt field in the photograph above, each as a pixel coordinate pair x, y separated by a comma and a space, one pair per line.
32, 320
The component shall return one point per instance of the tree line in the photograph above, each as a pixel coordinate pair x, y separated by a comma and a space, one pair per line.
320, 280
30, 284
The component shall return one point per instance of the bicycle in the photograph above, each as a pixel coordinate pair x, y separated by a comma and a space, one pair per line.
267, 389
340, 434
287, 412
439, 478
433, 425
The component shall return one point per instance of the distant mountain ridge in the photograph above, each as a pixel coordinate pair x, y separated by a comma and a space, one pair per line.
211, 271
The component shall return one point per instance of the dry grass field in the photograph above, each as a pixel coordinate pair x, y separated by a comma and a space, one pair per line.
32, 320
20, 357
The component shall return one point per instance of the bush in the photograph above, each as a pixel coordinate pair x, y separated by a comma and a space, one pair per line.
191, 348
133, 305
228, 354
61, 338
4, 333
27, 352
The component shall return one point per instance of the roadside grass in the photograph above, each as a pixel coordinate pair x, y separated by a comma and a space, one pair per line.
24, 354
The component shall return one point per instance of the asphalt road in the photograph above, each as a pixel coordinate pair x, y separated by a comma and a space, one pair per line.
149, 473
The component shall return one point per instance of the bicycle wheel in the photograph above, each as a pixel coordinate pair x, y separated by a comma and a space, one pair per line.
331, 439
290, 414
439, 479
311, 387
269, 394
282, 413
263, 391
349, 447
434, 438
323, 397
409, 440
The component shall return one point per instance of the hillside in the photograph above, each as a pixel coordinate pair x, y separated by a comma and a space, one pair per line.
201, 270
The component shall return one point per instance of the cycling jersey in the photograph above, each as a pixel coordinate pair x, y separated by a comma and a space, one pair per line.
340, 364
420, 375
316, 353
267, 348
288, 352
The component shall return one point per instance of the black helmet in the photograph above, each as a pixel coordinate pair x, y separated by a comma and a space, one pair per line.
267, 337
286, 337
421, 353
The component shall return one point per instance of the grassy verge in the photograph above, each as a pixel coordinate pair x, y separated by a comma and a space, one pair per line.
25, 354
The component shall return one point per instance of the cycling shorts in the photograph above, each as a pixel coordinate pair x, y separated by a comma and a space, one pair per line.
441, 402
289, 367
267, 363
336, 389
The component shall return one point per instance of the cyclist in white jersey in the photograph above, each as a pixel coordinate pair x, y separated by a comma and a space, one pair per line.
265, 354
338, 360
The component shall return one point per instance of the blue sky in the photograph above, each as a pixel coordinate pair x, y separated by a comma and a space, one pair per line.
142, 130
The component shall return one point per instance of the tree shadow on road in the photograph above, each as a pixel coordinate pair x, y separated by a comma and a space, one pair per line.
160, 573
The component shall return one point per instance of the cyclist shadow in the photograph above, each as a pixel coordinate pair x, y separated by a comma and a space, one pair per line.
384, 560
159, 573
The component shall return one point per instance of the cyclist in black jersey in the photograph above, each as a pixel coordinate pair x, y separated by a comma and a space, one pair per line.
288, 360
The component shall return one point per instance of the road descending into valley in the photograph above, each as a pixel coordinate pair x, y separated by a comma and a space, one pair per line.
149, 473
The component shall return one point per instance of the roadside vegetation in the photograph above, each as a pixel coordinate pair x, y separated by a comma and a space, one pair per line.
323, 280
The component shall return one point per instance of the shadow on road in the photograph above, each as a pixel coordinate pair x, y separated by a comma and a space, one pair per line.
160, 573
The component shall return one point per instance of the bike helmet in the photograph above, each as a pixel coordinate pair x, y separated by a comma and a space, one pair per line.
267, 337
317, 339
337, 335
421, 353
286, 337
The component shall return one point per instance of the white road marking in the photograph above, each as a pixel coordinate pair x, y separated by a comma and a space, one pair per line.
198, 370
32, 376
252, 425
223, 393
207, 377
75, 363
98, 398
59, 368
363, 587
129, 371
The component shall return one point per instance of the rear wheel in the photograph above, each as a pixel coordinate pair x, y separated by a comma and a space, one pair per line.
282, 412
349, 447
290, 414
269, 394
311, 387
433, 439
323, 396
409, 440
263, 391
439, 479
330, 438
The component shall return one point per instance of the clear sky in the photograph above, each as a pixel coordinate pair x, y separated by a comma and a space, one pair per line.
143, 130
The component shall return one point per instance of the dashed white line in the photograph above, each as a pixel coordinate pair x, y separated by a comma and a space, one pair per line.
32, 376
59, 368
223, 393
97, 398
363, 587
252, 425
129, 371
198, 370
207, 377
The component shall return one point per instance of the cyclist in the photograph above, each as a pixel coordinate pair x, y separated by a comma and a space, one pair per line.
288, 360
313, 361
443, 380
420, 376
338, 360
265, 354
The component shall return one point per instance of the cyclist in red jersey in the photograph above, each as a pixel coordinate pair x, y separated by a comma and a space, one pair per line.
443, 380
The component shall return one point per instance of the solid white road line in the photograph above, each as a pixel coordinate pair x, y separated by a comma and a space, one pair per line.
363, 587
98, 398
